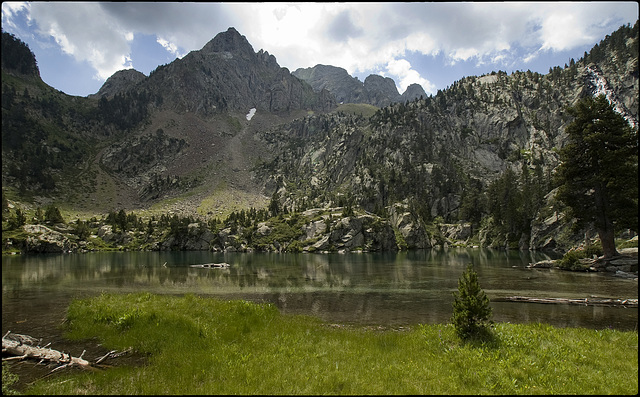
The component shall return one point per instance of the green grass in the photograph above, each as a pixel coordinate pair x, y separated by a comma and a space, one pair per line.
362, 109
209, 346
225, 199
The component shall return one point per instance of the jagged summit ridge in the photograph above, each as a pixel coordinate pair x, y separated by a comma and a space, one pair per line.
230, 42
334, 79
375, 90
230, 58
381, 91
227, 75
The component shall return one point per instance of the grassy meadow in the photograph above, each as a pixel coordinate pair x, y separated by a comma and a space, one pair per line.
196, 345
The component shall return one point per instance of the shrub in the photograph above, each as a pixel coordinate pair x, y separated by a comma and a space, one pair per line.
52, 215
471, 310
571, 260
593, 249
18, 220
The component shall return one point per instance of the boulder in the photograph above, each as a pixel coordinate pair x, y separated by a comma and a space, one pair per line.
544, 264
263, 229
456, 232
409, 227
107, 235
314, 229
553, 232
42, 239
322, 244
366, 232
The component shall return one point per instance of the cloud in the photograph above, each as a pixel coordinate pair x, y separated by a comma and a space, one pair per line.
10, 9
355, 36
401, 69
105, 45
561, 31
187, 26
172, 48
342, 27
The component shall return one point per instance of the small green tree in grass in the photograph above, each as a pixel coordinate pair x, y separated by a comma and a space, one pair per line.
471, 310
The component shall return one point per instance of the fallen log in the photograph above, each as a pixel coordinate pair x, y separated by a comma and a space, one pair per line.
584, 301
212, 265
24, 346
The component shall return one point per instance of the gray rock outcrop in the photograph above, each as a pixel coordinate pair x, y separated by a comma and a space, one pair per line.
413, 91
375, 90
362, 232
119, 82
336, 80
227, 75
381, 91
42, 239
410, 228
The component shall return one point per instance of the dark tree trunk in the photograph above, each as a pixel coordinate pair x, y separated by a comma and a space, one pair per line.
607, 238
604, 224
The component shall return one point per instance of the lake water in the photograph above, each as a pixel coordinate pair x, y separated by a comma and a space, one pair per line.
388, 289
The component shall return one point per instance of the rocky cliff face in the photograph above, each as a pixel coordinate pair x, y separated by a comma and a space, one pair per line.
119, 82
336, 80
429, 153
381, 91
596, 83
227, 75
414, 91
376, 90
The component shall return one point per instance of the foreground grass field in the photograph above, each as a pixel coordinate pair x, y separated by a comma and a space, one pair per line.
209, 346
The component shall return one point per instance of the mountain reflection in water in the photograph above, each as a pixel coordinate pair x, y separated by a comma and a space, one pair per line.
389, 289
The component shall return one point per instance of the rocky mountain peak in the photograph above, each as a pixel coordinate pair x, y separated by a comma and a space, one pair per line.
376, 90
414, 91
119, 82
229, 43
227, 75
335, 80
381, 90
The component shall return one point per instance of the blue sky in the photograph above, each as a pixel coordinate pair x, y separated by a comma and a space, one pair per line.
78, 45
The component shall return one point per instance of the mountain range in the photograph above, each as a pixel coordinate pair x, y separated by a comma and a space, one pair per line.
376, 90
226, 128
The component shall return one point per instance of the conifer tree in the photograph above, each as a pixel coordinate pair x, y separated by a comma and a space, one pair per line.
471, 310
52, 215
598, 174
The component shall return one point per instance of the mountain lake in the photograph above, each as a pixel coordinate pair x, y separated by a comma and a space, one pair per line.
389, 290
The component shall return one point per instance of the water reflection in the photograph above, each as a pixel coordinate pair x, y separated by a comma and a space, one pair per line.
383, 288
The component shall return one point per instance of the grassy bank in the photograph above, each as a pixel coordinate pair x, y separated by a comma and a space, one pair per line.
209, 346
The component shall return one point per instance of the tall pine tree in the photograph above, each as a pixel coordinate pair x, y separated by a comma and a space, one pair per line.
598, 174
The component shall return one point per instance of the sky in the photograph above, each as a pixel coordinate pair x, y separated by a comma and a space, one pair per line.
78, 45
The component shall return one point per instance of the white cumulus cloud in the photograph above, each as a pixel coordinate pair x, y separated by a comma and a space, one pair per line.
10, 9
359, 37
405, 76
171, 47
105, 45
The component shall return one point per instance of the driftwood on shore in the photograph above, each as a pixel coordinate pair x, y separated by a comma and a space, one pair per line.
584, 301
22, 347
212, 265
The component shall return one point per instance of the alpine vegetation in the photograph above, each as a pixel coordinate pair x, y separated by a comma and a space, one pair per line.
471, 311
